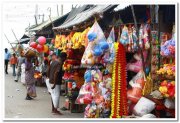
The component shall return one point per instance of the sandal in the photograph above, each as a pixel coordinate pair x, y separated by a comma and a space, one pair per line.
64, 109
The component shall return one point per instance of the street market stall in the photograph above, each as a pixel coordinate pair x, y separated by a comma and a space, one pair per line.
116, 70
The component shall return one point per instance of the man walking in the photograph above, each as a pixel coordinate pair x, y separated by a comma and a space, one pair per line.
55, 78
21, 60
6, 58
13, 62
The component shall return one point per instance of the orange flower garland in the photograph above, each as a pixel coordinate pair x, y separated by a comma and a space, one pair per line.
119, 88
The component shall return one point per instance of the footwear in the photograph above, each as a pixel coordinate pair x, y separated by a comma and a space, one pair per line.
57, 113
15, 80
64, 109
28, 98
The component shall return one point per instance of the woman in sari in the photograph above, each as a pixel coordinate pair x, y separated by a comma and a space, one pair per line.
29, 79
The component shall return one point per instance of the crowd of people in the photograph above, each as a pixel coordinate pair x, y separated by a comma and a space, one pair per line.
51, 69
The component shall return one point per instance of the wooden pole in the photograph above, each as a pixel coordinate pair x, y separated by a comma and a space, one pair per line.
10, 44
15, 36
57, 10
137, 33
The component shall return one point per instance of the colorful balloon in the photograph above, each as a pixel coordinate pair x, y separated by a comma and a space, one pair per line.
33, 45
39, 48
45, 48
42, 40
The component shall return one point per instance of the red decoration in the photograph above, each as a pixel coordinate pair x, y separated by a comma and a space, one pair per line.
120, 87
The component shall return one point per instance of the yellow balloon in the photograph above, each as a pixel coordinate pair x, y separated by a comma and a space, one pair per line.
45, 49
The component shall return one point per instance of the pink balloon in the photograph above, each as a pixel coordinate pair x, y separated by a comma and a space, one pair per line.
39, 48
42, 40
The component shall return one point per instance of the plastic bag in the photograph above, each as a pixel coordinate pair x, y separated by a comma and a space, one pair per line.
169, 103
96, 30
96, 47
91, 111
135, 39
124, 36
137, 66
137, 84
88, 58
110, 54
143, 107
96, 75
85, 94
146, 36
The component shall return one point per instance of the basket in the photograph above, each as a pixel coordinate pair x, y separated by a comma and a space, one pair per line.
30, 52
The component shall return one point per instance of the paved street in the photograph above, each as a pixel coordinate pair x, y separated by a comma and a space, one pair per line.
17, 107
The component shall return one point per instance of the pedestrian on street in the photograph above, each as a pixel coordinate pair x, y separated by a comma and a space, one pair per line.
21, 60
55, 74
29, 79
6, 60
13, 62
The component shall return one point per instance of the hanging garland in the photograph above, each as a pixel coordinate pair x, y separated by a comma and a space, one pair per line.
119, 88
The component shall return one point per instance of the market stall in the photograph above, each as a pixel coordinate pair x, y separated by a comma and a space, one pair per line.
115, 70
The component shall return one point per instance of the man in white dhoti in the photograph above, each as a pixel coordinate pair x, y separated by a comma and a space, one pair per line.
55, 79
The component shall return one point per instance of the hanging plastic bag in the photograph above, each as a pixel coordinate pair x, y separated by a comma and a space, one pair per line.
146, 36
110, 54
141, 36
96, 46
88, 58
124, 36
97, 32
85, 94
96, 75
135, 39
91, 111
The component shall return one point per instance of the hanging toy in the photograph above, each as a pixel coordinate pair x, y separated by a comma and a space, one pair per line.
92, 36
141, 36
124, 36
130, 44
135, 39
146, 37
97, 51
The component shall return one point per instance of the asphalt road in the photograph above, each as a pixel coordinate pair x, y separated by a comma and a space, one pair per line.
17, 107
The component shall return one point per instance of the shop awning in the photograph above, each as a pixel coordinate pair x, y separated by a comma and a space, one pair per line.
47, 23
24, 40
85, 15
